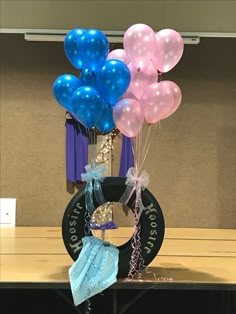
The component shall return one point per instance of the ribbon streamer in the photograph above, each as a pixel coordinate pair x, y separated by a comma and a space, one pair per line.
135, 182
94, 176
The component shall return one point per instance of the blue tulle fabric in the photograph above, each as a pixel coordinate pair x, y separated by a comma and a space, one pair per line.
94, 270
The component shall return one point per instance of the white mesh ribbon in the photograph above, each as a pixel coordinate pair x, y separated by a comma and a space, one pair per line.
140, 181
135, 182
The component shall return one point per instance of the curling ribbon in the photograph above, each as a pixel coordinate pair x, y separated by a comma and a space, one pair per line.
94, 175
138, 182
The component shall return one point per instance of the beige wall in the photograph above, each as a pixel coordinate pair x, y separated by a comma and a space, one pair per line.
192, 158
182, 15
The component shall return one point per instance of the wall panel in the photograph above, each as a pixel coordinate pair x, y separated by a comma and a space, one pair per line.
182, 15
191, 160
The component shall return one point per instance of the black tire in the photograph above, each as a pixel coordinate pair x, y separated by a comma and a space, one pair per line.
151, 224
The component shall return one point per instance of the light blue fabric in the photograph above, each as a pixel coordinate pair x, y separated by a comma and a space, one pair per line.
94, 270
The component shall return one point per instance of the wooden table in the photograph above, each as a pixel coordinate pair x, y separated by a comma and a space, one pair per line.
189, 258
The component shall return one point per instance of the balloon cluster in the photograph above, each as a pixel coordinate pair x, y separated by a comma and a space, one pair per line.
120, 88
148, 55
102, 82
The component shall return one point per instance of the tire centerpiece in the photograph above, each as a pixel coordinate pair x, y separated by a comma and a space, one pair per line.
152, 227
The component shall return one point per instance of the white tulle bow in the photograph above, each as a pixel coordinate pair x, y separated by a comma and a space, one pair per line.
139, 181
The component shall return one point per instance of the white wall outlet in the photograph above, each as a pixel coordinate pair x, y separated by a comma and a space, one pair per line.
7, 212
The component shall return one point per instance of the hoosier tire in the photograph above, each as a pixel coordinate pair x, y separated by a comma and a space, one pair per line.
152, 226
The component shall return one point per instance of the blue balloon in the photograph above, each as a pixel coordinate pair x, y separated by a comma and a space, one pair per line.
94, 49
87, 105
72, 48
113, 80
88, 78
105, 122
64, 87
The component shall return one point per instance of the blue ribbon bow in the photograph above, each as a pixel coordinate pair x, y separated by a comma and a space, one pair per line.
94, 176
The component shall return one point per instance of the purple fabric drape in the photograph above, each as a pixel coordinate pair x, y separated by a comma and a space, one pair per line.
127, 156
76, 150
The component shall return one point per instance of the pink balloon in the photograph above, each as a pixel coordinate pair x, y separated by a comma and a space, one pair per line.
170, 47
128, 117
156, 101
141, 78
129, 94
177, 97
140, 44
118, 54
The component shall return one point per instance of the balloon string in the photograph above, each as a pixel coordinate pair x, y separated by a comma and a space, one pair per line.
148, 145
137, 262
132, 146
136, 152
94, 145
137, 162
91, 138
139, 146
136, 247
146, 141
139, 165
133, 152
